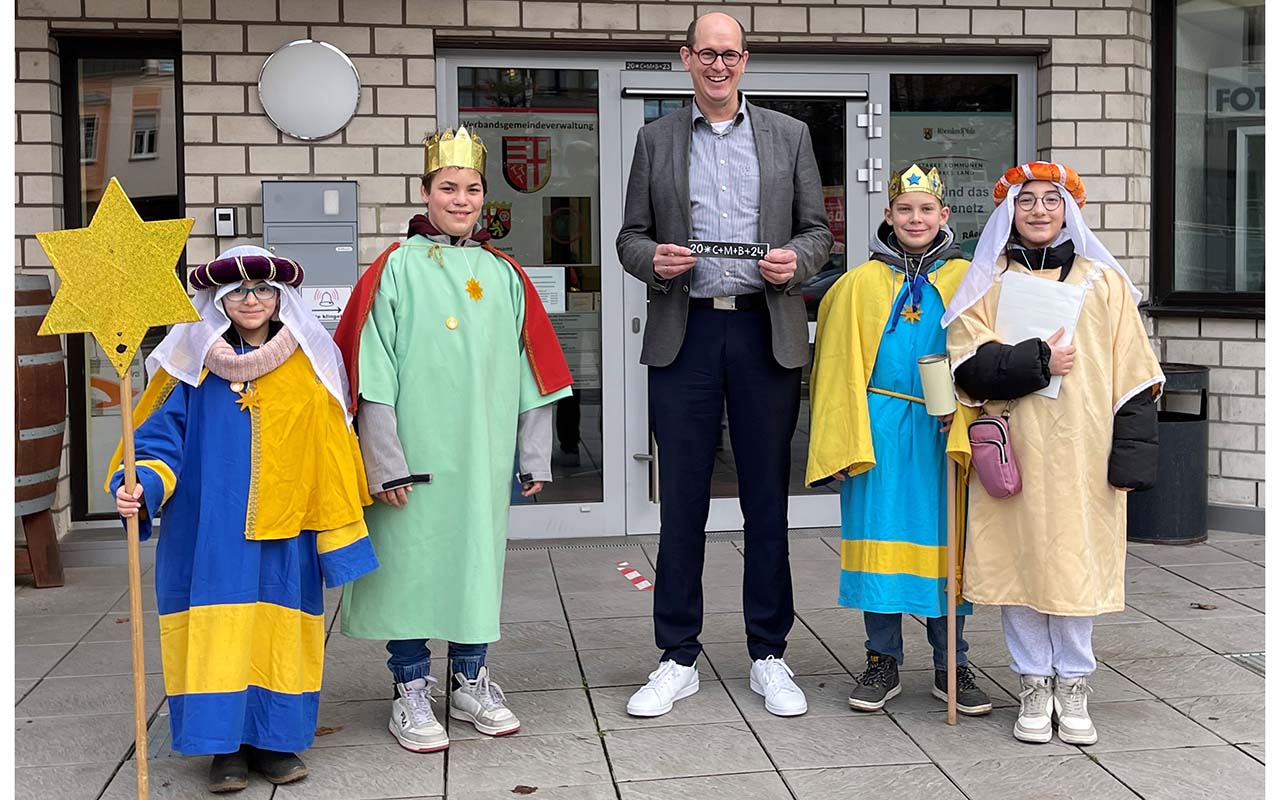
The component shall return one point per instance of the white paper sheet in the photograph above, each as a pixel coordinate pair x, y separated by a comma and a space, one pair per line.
1035, 308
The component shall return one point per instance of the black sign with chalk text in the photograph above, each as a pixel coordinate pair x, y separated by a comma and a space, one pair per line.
753, 251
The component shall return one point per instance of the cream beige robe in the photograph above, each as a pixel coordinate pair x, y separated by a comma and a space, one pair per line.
1058, 546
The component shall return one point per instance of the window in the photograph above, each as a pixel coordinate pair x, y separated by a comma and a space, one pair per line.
144, 135
966, 126
1208, 199
111, 92
88, 140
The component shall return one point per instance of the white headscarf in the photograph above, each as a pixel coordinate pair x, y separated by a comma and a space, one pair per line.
183, 351
995, 236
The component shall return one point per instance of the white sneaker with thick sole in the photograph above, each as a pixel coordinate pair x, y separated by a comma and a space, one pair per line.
482, 703
1071, 707
772, 678
1035, 723
412, 722
668, 683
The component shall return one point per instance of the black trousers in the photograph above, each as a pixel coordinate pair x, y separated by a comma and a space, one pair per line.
726, 360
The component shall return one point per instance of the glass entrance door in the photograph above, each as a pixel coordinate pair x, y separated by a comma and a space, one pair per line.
842, 147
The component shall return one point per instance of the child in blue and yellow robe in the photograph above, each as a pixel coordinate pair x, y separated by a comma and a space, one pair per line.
870, 429
261, 488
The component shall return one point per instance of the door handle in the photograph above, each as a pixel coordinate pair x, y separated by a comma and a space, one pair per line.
643, 457
635, 324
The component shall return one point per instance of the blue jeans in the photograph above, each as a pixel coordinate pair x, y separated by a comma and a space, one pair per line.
410, 659
884, 636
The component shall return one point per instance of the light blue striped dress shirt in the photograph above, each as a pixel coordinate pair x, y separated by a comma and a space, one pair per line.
724, 202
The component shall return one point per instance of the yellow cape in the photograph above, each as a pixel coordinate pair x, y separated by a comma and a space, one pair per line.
851, 320
302, 445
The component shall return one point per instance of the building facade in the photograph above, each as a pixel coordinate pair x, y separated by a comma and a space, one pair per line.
1159, 106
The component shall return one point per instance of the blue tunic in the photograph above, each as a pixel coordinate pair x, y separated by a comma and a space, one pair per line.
241, 620
893, 514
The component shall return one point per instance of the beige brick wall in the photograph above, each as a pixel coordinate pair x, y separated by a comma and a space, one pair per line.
1094, 112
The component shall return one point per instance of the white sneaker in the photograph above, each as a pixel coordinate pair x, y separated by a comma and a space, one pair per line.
482, 703
412, 721
668, 683
1034, 721
1071, 707
771, 677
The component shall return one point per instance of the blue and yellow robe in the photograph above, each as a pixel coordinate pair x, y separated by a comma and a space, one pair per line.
262, 494
893, 523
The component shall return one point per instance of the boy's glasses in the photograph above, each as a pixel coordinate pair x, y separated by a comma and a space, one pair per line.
263, 292
730, 57
1051, 202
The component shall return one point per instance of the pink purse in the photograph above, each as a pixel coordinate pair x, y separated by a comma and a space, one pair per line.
993, 458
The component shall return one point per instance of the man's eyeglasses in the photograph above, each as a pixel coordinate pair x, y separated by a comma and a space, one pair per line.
262, 291
709, 56
1051, 202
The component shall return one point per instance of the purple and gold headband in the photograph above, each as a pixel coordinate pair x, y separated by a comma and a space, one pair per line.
233, 269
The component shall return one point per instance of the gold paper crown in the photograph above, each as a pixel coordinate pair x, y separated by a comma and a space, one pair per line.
454, 150
914, 179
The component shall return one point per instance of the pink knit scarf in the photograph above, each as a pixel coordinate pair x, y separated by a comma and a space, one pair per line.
224, 362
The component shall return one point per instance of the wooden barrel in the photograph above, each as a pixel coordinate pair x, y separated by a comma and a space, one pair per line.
40, 403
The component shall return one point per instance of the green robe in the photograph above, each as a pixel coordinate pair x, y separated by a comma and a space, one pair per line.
455, 371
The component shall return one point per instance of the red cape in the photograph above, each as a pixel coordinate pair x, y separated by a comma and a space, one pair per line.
550, 370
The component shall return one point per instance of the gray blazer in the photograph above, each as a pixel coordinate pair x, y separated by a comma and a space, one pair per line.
792, 215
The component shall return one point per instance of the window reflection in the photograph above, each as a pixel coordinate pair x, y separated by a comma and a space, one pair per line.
541, 129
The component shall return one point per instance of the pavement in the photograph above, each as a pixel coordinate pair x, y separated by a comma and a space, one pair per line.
1178, 714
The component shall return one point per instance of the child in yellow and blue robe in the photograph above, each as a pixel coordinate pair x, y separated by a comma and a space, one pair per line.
870, 429
261, 489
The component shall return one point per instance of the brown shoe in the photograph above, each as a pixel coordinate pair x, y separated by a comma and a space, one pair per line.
276, 767
229, 772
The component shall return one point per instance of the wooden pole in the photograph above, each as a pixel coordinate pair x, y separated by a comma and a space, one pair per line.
135, 591
951, 592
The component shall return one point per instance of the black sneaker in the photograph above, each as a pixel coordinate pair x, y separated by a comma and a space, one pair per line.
229, 772
970, 700
878, 684
276, 767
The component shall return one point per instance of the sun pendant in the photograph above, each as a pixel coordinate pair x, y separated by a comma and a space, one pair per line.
249, 399
237, 387
474, 290
911, 314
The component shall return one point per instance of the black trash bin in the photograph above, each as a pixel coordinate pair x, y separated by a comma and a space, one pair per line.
1176, 510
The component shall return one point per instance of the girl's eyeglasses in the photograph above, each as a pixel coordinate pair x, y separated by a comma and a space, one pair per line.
263, 292
1026, 202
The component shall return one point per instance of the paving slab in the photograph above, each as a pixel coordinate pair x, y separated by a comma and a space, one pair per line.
65, 782
1201, 773
1189, 676
52, 741
854, 740
1056, 777
1236, 718
1241, 635
41, 629
558, 760
755, 785
1163, 555
900, 782
1145, 725
711, 703
1241, 575
366, 772
685, 751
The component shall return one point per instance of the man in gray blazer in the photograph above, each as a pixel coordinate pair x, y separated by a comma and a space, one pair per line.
723, 331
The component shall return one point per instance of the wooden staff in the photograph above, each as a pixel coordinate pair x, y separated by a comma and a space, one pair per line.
951, 591
135, 588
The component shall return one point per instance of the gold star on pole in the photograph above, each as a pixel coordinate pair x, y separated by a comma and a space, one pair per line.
118, 277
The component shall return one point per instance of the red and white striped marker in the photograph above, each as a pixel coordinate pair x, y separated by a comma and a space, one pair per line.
637, 580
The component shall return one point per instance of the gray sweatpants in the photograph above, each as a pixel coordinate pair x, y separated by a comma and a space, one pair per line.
1042, 644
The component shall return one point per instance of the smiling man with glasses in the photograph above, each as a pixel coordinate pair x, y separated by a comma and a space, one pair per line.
723, 331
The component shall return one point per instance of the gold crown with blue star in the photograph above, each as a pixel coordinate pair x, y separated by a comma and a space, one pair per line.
914, 179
